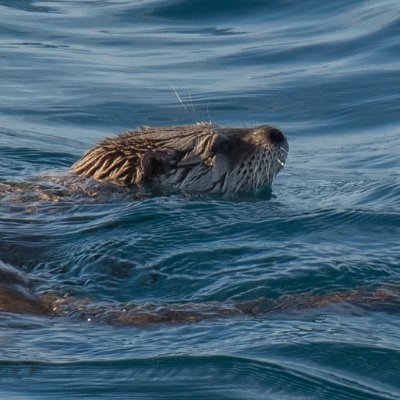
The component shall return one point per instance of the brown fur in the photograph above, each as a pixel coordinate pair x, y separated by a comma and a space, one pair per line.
200, 157
18, 296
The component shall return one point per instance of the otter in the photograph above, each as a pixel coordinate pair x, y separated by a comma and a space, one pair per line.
18, 295
200, 158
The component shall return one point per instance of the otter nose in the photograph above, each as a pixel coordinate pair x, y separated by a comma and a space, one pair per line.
276, 136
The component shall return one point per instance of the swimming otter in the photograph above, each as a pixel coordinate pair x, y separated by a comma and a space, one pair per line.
200, 157
17, 295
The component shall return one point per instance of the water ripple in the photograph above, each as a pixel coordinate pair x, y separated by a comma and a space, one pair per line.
230, 376
326, 73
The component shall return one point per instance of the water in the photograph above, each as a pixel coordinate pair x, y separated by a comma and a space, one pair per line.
326, 73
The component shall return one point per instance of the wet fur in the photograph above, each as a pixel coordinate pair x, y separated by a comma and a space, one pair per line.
200, 157
17, 295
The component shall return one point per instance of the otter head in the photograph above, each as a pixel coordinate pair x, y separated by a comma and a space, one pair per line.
201, 158
231, 160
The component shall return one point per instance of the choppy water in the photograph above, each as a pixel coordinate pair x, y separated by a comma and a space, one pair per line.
327, 74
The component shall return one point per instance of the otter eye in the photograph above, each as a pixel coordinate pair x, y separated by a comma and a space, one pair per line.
222, 147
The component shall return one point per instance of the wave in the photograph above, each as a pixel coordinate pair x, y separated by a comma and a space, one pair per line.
215, 375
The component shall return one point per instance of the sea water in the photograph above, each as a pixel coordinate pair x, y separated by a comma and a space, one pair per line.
328, 75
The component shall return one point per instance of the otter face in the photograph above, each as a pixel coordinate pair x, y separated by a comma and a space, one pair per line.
200, 158
231, 161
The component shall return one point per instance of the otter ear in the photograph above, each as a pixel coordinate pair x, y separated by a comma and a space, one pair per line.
154, 163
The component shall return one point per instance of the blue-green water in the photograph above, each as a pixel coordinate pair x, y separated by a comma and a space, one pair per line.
328, 75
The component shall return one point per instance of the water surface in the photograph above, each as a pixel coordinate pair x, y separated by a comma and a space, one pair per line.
328, 75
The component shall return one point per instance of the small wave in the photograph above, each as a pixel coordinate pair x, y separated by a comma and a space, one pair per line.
192, 376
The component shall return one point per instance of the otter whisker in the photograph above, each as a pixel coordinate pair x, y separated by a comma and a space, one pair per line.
256, 175
279, 161
191, 103
177, 96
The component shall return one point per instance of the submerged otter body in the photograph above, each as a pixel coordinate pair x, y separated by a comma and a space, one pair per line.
202, 157
17, 295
